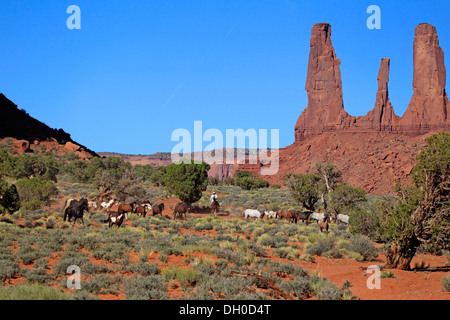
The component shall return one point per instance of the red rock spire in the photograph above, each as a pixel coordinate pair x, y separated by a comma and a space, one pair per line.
429, 104
325, 108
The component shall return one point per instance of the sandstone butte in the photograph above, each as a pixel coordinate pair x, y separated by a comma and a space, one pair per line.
373, 150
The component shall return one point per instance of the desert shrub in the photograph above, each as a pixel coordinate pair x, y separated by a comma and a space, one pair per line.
201, 292
321, 245
145, 288
286, 252
387, 274
274, 241
186, 277
327, 291
300, 287
147, 269
35, 275
368, 222
446, 283
28, 255
77, 259
363, 246
33, 291
286, 269
102, 284
110, 252
8, 269
228, 287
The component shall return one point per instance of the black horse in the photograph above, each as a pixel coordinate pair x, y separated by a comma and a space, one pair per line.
76, 210
304, 216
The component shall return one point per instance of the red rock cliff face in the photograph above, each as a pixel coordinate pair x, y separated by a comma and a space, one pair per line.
427, 110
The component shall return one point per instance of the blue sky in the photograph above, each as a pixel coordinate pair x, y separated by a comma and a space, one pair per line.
138, 70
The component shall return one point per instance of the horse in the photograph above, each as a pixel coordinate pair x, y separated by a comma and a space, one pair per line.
92, 204
304, 216
215, 207
158, 209
76, 210
342, 218
290, 215
116, 219
253, 213
272, 215
142, 210
180, 208
127, 207
320, 216
107, 205
323, 224
68, 202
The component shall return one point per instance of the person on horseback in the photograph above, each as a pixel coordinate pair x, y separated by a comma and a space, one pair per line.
212, 198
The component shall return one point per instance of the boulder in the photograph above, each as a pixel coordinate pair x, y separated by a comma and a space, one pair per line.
21, 146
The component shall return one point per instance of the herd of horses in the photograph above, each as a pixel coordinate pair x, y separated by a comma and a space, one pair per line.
323, 219
75, 209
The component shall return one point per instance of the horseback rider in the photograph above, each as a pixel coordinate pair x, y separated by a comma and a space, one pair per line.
213, 197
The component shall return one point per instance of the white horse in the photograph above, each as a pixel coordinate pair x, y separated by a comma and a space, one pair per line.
253, 213
319, 216
342, 218
272, 215
106, 205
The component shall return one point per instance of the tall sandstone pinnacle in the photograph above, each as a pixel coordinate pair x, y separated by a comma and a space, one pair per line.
325, 109
429, 105
382, 116
426, 112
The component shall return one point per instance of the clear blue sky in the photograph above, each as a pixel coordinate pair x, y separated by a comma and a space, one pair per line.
137, 70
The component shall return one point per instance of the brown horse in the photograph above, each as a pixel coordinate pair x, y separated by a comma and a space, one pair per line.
158, 209
127, 207
289, 215
116, 219
180, 208
323, 225
141, 210
215, 207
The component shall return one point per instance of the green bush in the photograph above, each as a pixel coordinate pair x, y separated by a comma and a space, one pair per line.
363, 246
35, 192
187, 180
186, 277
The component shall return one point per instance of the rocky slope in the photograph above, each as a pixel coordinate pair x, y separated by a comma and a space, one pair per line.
26, 134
